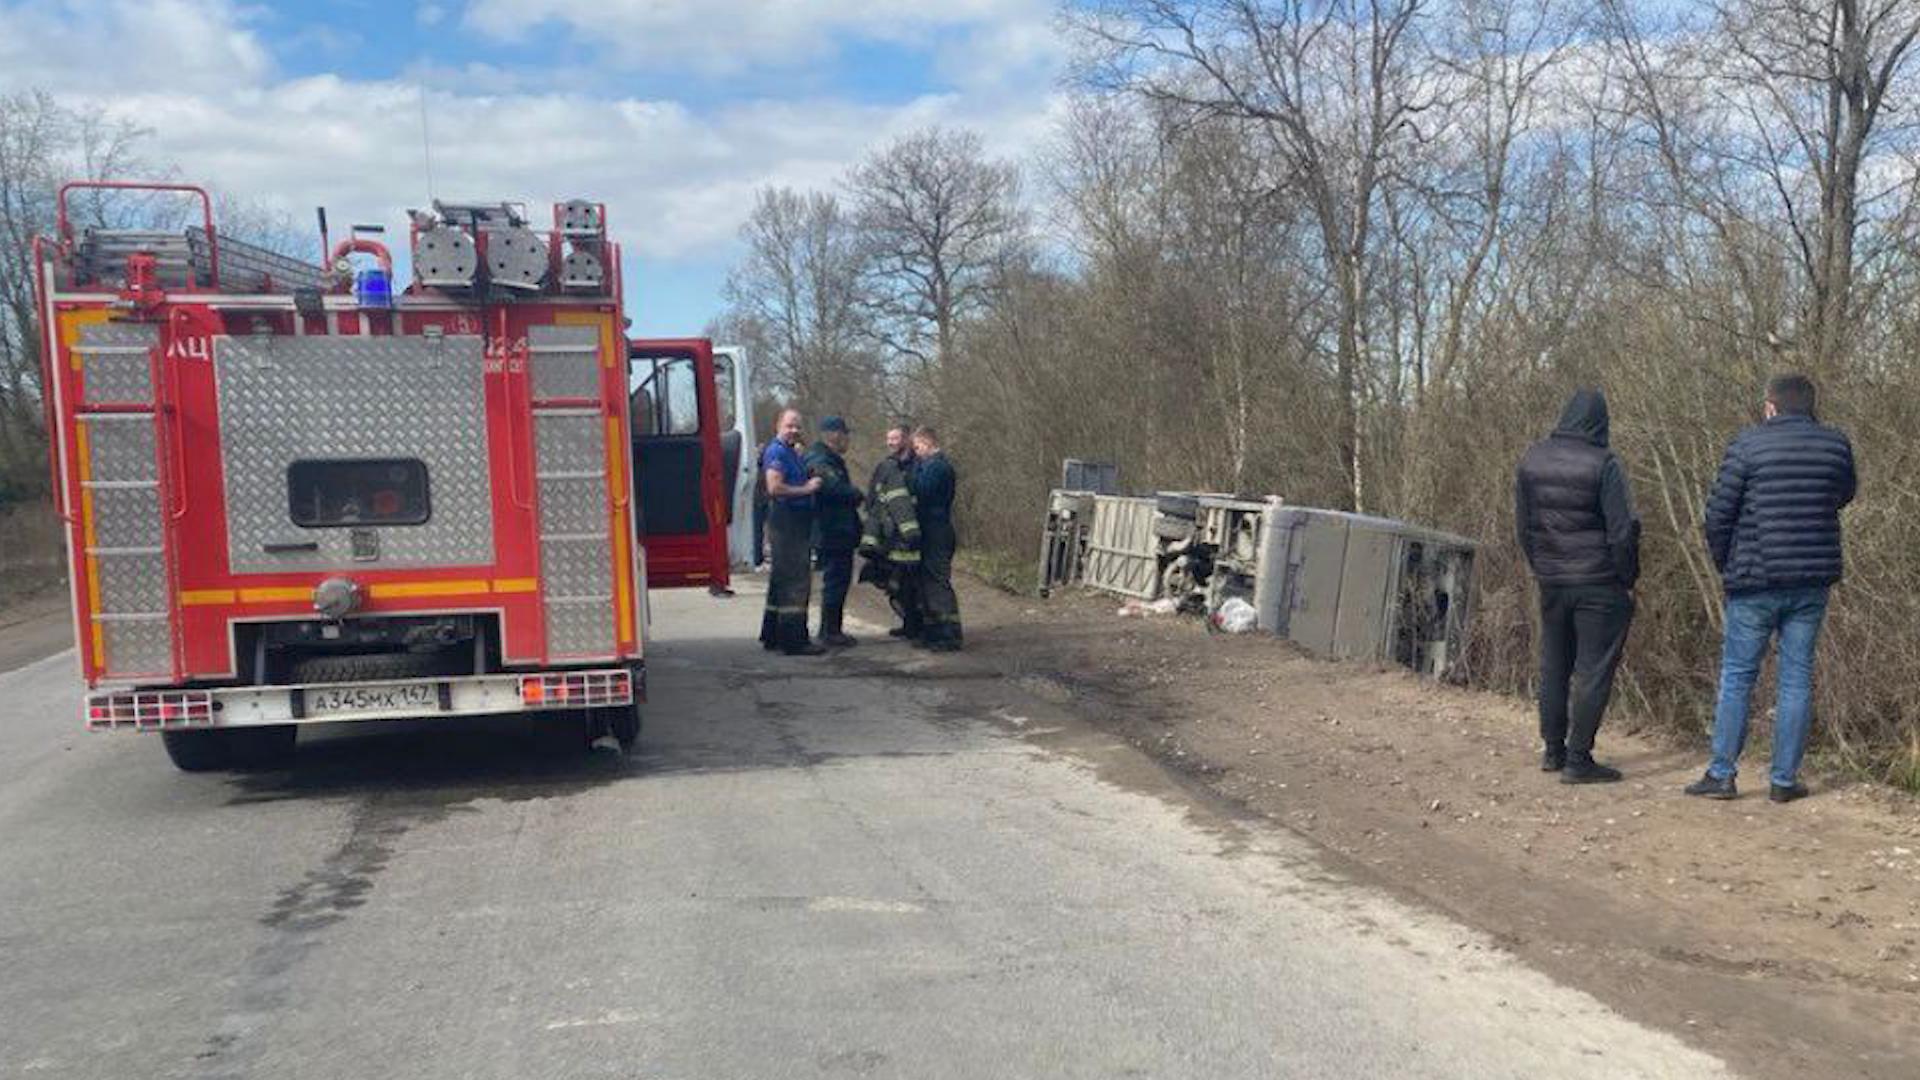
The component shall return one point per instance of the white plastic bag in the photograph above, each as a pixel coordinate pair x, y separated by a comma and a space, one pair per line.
1236, 616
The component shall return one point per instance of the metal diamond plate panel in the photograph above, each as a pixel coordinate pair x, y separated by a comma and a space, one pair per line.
137, 647
577, 569
570, 442
573, 506
126, 517
565, 361
288, 399
580, 628
115, 361
120, 448
132, 584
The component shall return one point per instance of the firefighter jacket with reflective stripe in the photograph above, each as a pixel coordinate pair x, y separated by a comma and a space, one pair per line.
893, 530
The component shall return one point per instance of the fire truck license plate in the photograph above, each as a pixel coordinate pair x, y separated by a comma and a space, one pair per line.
397, 698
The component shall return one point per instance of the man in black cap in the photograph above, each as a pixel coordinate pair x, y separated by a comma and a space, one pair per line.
790, 528
836, 527
1573, 515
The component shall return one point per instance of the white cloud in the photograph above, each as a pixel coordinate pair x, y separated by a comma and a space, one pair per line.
677, 180
195, 46
726, 35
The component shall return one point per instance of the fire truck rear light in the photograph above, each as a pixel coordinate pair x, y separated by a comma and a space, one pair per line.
587, 689
150, 710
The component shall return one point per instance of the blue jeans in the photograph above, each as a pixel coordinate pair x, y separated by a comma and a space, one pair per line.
1752, 620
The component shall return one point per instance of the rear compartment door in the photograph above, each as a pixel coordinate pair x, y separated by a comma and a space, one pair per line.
679, 462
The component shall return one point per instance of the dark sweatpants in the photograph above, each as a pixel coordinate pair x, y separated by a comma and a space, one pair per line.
790, 584
939, 606
1583, 630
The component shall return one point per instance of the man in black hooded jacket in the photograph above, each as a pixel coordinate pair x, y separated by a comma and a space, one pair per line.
1573, 516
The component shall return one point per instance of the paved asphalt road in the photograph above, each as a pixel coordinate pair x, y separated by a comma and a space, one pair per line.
879, 865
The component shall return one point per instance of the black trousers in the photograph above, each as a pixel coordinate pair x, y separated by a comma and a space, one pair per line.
836, 575
905, 596
790, 584
939, 606
1583, 630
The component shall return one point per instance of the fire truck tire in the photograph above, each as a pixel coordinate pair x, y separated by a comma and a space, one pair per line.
623, 723
230, 748
197, 751
368, 667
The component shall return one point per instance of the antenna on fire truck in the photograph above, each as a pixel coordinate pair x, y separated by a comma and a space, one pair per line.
426, 141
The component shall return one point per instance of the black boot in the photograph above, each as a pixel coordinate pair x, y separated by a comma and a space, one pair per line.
1582, 769
830, 632
769, 632
1553, 759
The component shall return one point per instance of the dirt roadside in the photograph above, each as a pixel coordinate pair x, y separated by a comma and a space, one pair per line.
1783, 938
34, 625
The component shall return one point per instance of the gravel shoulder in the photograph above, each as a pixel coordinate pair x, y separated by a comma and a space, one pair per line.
1786, 938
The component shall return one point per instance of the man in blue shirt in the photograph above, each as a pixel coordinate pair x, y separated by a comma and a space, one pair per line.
790, 494
933, 485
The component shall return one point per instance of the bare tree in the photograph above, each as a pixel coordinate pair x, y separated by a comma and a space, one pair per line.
41, 144
1333, 89
1812, 80
795, 296
940, 221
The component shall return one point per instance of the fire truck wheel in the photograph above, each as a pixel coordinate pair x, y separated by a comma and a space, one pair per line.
623, 723
197, 751
230, 748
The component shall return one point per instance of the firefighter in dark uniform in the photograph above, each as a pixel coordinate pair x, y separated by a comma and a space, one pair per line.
933, 485
892, 540
790, 494
836, 527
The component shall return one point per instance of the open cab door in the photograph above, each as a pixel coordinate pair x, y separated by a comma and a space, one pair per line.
738, 447
681, 474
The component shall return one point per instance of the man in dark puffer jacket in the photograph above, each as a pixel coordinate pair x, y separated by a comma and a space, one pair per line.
1773, 528
1573, 514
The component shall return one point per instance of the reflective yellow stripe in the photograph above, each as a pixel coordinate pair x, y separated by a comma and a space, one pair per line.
402, 590
275, 594
905, 556
891, 494
83, 460
193, 597
392, 590
779, 609
909, 527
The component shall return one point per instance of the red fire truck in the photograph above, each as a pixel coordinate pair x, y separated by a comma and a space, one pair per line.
295, 493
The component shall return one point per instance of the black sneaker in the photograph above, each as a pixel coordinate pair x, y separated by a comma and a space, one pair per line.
902, 632
1587, 771
837, 640
1553, 759
943, 645
1795, 790
1713, 787
809, 649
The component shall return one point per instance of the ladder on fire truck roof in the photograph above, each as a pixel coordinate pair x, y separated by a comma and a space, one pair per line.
187, 257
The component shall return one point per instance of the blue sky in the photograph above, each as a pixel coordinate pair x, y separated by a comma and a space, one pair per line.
671, 111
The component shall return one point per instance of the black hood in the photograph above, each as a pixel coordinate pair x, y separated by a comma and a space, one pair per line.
1585, 417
